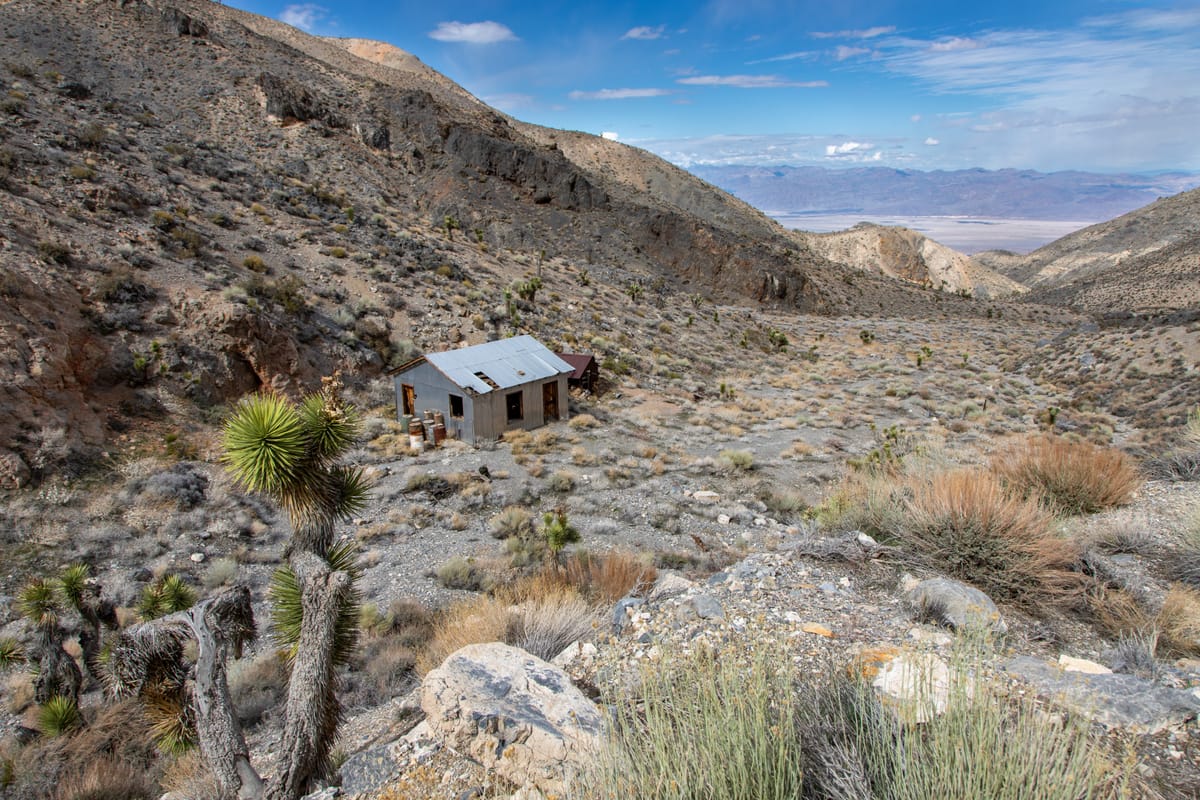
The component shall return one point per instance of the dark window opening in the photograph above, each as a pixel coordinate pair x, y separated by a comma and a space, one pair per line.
456, 406
516, 410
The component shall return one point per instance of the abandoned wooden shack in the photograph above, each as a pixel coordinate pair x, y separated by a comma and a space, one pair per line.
487, 389
587, 372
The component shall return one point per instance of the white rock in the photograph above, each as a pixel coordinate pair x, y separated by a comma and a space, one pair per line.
513, 713
197, 557
1072, 664
706, 497
917, 684
723, 519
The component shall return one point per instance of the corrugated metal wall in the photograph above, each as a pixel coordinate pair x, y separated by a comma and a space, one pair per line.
484, 417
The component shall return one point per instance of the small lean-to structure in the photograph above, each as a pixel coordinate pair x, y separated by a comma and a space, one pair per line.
587, 372
485, 390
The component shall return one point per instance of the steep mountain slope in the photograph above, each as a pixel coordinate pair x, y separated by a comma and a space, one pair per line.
1131, 239
906, 254
196, 202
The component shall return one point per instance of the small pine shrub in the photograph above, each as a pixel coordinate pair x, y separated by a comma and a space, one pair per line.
558, 532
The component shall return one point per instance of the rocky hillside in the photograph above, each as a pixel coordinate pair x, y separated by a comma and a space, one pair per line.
905, 254
196, 202
1141, 256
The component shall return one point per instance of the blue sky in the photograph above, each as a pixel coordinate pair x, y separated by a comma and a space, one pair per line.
1105, 85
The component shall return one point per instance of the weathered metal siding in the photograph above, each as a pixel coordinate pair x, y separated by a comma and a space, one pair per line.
485, 417
433, 390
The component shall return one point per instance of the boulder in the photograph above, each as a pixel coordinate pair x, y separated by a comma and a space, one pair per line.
514, 713
955, 605
916, 685
1113, 700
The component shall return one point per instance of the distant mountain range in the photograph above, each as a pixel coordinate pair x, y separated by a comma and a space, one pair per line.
1003, 194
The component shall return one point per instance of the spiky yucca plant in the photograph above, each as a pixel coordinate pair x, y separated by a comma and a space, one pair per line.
40, 603
287, 614
166, 596
57, 716
290, 452
11, 652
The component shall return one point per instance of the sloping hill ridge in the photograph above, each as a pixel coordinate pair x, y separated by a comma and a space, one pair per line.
908, 255
196, 202
1125, 245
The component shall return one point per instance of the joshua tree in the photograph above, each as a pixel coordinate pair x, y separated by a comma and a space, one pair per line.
290, 453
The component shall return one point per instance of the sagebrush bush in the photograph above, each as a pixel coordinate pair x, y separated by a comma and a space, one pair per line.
705, 725
967, 526
1178, 621
609, 577
479, 619
545, 625
513, 521
1073, 477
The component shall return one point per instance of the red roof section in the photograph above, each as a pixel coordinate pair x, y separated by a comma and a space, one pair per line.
579, 362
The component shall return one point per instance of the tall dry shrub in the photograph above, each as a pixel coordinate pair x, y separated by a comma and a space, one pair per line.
1073, 477
967, 526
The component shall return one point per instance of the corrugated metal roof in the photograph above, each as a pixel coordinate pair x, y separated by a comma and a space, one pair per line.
502, 364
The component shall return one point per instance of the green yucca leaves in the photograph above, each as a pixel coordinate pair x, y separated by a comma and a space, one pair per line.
172, 722
11, 652
39, 603
58, 716
287, 613
353, 487
165, 596
265, 443
331, 426
73, 582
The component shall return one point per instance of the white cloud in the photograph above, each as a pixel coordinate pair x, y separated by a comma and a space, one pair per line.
617, 94
846, 148
805, 54
645, 33
751, 82
915, 118
932, 142
955, 43
304, 16
1118, 92
610, 135
868, 33
473, 32
843, 52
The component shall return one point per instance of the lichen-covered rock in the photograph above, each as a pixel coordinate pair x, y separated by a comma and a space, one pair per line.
955, 605
514, 713
1115, 701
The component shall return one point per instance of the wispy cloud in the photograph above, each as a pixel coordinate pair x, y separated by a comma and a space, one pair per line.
751, 82
867, 33
473, 32
931, 142
304, 16
645, 33
617, 94
1122, 90
800, 54
612, 136
843, 52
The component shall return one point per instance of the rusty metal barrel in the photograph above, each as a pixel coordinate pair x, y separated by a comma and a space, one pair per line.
416, 434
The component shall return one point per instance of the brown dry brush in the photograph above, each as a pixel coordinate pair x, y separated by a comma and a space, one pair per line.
968, 526
1073, 477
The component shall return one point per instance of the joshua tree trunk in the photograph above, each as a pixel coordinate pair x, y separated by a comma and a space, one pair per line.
220, 734
58, 675
312, 706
